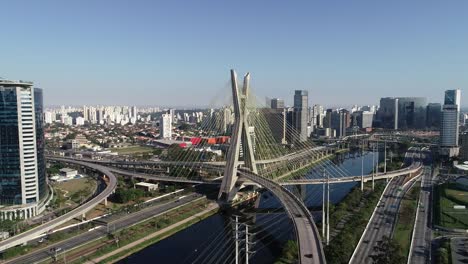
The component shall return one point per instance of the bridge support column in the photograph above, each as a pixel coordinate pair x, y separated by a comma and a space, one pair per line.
240, 134
105, 202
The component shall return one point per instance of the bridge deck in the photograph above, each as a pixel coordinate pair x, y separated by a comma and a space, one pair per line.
310, 246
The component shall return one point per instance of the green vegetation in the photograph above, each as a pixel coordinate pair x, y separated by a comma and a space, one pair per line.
54, 169
443, 254
289, 254
445, 197
122, 195
349, 218
405, 223
387, 251
177, 153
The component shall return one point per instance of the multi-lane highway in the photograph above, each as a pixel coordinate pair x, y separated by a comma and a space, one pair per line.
420, 251
383, 220
114, 224
381, 224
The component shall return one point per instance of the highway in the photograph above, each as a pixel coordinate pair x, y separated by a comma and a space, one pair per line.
77, 212
382, 222
420, 251
114, 224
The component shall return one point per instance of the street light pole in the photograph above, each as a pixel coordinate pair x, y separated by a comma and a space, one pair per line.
373, 166
328, 209
362, 167
323, 205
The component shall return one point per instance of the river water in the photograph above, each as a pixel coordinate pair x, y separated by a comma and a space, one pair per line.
213, 239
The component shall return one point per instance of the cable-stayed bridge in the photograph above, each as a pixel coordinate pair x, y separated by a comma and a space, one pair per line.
264, 150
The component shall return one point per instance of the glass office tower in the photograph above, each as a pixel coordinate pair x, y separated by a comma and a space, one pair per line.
22, 162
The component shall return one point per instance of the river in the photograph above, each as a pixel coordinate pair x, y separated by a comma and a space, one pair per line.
212, 240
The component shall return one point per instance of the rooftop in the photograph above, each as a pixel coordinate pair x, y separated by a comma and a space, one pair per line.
6, 82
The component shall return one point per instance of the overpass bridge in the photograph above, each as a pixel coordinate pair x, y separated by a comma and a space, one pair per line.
77, 212
413, 169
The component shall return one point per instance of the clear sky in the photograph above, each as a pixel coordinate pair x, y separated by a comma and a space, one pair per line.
180, 52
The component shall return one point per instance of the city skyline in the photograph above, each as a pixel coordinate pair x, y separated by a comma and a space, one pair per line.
177, 53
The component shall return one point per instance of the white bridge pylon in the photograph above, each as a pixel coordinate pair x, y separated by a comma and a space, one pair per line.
239, 134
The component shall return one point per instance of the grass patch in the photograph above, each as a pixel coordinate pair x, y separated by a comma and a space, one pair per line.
405, 222
445, 197
133, 150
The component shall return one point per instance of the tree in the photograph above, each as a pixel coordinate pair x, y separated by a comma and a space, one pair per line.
387, 251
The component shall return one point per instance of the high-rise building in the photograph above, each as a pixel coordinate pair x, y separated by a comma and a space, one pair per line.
276, 121
433, 117
340, 121
165, 126
301, 105
450, 123
402, 113
388, 113
315, 116
49, 117
23, 186
363, 119
412, 112
133, 112
277, 103
464, 147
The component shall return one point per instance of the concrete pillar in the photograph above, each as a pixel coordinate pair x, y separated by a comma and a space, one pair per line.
105, 202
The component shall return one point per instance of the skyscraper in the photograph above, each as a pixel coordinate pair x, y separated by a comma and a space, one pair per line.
165, 126
301, 105
450, 123
412, 112
340, 121
23, 186
433, 118
388, 113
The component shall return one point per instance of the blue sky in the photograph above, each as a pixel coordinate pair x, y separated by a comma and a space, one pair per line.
180, 52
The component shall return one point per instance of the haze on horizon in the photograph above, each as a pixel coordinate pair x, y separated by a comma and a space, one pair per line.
180, 52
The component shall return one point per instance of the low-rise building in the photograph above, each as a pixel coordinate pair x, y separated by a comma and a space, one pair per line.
146, 186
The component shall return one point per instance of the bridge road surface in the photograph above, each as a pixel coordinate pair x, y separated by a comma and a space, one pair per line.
422, 237
382, 222
310, 246
39, 230
122, 222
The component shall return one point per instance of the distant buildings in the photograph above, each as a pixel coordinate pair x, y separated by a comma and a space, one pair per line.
364, 119
277, 103
22, 162
402, 113
450, 123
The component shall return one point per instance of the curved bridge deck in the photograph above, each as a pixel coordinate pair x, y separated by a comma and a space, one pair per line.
310, 247
37, 231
